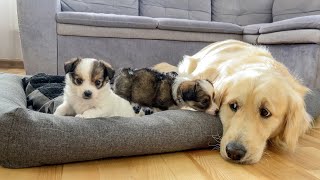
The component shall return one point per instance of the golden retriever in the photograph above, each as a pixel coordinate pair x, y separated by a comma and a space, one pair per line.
259, 100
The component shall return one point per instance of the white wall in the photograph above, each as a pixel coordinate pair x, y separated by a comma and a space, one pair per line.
10, 47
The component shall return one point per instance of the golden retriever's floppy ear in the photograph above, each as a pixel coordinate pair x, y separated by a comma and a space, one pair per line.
220, 90
297, 121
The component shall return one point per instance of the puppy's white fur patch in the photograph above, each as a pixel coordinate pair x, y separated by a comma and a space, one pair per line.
103, 102
205, 85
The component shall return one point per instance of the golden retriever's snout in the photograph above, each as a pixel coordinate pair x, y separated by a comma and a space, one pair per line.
235, 151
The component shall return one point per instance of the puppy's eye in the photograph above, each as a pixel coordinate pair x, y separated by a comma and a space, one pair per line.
234, 106
265, 113
98, 83
205, 102
78, 81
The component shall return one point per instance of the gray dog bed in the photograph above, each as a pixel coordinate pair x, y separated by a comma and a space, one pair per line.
29, 138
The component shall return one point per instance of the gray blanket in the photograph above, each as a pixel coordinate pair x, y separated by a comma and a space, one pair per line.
44, 92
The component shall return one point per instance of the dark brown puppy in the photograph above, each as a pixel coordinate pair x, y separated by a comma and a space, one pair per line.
146, 87
151, 88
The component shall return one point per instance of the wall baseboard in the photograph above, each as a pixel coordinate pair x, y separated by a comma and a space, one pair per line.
11, 63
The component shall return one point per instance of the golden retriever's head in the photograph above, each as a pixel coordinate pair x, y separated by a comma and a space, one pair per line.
256, 108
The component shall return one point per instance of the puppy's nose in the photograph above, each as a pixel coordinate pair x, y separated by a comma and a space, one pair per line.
235, 151
87, 94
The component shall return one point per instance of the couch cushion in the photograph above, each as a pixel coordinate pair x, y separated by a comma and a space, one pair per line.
198, 26
242, 12
106, 20
306, 22
182, 9
152, 34
250, 38
300, 36
253, 28
285, 9
126, 7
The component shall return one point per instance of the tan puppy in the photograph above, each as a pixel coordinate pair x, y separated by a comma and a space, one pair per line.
259, 100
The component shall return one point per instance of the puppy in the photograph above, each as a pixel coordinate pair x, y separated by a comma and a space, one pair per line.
164, 91
87, 92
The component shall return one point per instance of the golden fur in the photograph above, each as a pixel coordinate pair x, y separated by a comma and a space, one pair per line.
247, 77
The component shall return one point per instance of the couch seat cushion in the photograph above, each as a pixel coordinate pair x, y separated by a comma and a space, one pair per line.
253, 29
300, 36
106, 20
306, 22
135, 33
198, 26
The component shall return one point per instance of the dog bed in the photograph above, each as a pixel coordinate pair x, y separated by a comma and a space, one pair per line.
30, 138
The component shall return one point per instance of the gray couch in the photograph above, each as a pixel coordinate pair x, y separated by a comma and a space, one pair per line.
139, 33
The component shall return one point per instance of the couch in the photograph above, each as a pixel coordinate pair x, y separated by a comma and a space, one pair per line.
140, 33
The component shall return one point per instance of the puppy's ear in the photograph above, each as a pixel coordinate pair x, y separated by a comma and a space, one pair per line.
108, 71
187, 90
71, 65
297, 121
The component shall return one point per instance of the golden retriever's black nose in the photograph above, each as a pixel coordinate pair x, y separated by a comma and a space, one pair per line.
235, 151
87, 94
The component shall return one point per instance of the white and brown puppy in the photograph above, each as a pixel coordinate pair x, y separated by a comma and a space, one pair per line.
259, 100
195, 94
87, 92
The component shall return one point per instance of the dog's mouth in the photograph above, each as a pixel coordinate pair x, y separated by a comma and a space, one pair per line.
85, 97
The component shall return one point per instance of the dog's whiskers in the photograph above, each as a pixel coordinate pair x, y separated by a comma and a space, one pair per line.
266, 157
217, 139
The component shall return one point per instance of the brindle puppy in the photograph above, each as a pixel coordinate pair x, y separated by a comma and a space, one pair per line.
150, 88
146, 87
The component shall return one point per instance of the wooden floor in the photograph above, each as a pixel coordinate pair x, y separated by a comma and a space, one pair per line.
13, 71
193, 165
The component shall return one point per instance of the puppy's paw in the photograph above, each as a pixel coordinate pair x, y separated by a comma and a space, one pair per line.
147, 110
88, 115
136, 108
79, 116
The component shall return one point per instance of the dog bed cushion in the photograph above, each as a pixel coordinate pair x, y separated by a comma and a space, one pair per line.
30, 138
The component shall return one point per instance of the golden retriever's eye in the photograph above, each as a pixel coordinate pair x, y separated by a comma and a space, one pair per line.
78, 81
234, 106
265, 113
98, 83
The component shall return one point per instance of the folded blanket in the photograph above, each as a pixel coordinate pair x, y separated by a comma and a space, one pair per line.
44, 92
